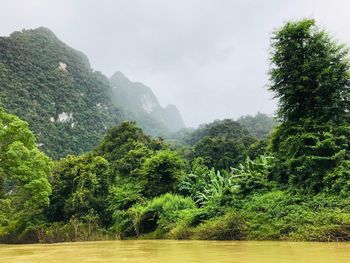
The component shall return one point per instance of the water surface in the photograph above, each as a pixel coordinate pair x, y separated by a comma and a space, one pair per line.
166, 251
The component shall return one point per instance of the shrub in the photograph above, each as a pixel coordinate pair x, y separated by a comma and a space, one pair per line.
292, 216
231, 226
160, 213
252, 175
162, 172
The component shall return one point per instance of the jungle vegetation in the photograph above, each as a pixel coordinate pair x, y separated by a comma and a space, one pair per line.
226, 180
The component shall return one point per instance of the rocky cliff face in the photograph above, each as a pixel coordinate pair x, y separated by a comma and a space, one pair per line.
142, 104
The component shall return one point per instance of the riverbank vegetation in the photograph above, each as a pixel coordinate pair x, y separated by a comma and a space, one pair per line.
227, 180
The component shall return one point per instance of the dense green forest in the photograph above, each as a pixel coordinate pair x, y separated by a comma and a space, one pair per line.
225, 180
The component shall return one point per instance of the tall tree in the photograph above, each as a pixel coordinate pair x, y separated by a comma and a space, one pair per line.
80, 185
310, 73
310, 77
24, 171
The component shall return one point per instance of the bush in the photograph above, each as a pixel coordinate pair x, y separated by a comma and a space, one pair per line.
231, 226
292, 216
252, 175
124, 225
212, 188
161, 213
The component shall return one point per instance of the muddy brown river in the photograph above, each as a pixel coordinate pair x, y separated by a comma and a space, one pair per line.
166, 251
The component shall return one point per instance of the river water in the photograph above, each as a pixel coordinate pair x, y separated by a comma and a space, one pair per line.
166, 251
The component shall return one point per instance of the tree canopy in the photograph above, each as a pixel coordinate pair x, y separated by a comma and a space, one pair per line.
24, 172
310, 74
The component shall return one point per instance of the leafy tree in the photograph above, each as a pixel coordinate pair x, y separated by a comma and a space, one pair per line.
337, 180
223, 152
257, 148
24, 171
310, 74
120, 139
124, 195
222, 144
79, 185
162, 172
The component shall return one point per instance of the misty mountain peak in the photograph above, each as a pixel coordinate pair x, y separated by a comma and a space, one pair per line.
140, 101
119, 76
39, 32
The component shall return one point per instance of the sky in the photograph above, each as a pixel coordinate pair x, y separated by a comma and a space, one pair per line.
208, 57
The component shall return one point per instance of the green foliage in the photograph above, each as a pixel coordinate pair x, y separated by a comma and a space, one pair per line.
293, 185
287, 216
258, 148
219, 152
122, 139
252, 176
337, 181
230, 226
34, 87
220, 128
222, 144
218, 190
80, 186
124, 195
307, 151
215, 189
194, 183
310, 74
162, 172
259, 125
24, 171
123, 226
160, 213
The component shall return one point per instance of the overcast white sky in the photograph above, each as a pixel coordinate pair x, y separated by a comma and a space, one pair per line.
208, 57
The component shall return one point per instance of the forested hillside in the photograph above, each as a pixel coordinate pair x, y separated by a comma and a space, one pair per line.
67, 104
53, 87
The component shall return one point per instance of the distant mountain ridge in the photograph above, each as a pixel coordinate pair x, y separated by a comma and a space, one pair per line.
140, 101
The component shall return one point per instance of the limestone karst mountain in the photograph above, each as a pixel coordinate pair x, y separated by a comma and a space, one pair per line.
52, 86
67, 104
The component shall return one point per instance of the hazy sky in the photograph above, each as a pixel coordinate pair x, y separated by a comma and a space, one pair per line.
208, 57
